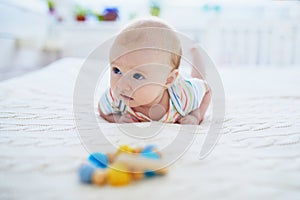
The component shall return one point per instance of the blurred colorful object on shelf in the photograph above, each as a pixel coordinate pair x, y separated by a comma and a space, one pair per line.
80, 13
51, 6
154, 8
108, 14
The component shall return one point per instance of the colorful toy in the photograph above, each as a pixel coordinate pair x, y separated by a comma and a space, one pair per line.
121, 168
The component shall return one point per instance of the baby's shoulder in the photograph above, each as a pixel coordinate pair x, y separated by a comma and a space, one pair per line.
182, 84
186, 93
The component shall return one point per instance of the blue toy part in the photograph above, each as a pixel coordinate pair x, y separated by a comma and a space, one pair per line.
111, 9
148, 148
149, 173
85, 173
149, 153
99, 160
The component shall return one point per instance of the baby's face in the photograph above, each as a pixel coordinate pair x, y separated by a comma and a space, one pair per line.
139, 78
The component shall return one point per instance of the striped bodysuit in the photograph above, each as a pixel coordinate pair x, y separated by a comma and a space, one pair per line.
185, 96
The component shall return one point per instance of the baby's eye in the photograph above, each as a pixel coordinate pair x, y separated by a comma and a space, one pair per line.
116, 70
138, 76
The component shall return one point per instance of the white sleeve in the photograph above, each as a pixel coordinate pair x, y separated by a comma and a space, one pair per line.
107, 103
199, 88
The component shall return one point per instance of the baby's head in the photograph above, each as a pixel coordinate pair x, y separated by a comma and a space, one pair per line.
144, 59
151, 33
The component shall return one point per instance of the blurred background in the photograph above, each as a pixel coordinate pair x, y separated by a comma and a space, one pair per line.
249, 33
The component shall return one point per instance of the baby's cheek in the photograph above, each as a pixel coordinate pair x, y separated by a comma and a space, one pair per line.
147, 93
113, 83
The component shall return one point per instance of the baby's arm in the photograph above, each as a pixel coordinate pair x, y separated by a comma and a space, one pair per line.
196, 116
118, 118
198, 71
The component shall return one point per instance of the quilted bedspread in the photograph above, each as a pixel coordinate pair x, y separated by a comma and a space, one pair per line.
256, 157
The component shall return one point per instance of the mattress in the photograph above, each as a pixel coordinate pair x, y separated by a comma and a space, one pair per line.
256, 156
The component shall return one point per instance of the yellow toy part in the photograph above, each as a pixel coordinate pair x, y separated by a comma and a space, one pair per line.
118, 175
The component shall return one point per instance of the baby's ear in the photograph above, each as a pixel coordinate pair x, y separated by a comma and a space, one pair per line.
171, 78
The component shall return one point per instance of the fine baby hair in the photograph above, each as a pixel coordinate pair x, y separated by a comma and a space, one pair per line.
148, 33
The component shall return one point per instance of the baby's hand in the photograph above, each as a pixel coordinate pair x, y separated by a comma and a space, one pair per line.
127, 118
189, 119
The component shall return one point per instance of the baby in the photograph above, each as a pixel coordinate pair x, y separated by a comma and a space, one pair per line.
145, 84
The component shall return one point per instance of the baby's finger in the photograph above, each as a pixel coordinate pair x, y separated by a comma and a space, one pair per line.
125, 120
185, 121
131, 117
178, 120
182, 120
128, 118
188, 120
134, 118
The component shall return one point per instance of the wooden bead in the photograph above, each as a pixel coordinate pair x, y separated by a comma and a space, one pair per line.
136, 174
138, 150
111, 157
162, 171
99, 177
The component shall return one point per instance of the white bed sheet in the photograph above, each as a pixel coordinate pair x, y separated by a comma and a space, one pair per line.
257, 156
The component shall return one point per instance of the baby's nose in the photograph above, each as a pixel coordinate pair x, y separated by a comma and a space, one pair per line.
124, 84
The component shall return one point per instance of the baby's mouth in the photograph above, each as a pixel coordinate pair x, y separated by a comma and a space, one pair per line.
127, 98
